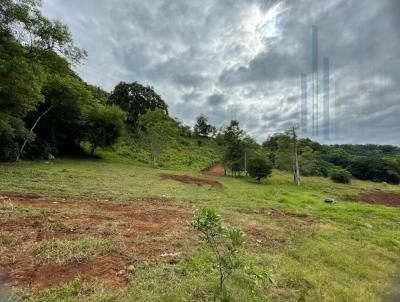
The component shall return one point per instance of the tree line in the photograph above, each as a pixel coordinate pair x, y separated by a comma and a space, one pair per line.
47, 110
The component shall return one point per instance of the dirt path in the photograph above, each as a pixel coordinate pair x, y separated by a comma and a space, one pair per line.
192, 180
390, 199
215, 170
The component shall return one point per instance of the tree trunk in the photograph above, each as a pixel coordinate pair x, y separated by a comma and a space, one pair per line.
245, 162
296, 170
92, 149
154, 154
31, 131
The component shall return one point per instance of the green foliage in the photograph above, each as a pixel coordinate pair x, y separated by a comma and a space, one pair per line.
340, 175
338, 157
21, 83
62, 128
234, 147
279, 147
366, 162
136, 99
98, 93
223, 242
32, 52
159, 128
311, 163
178, 152
259, 168
25, 22
202, 128
103, 126
392, 165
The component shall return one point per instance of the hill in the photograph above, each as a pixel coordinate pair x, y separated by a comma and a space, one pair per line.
180, 153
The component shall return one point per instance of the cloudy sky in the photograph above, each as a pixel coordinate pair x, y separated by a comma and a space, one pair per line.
242, 59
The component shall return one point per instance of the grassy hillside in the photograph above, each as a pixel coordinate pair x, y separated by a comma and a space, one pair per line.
124, 211
182, 153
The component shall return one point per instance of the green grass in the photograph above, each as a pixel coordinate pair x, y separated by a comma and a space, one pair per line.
179, 153
349, 251
63, 251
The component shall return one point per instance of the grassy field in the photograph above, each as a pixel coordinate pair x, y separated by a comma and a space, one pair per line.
117, 231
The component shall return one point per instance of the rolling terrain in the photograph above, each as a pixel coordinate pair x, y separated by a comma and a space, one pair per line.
116, 229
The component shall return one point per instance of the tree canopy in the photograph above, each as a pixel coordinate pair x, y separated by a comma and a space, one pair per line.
103, 126
136, 99
158, 128
202, 127
259, 168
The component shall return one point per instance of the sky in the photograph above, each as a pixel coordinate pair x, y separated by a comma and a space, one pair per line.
243, 59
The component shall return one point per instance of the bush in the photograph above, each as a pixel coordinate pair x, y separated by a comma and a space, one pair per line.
223, 242
8, 148
340, 175
259, 168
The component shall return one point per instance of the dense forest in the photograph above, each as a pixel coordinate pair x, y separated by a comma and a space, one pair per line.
47, 110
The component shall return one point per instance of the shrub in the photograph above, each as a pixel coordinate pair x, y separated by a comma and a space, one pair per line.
223, 242
340, 175
259, 168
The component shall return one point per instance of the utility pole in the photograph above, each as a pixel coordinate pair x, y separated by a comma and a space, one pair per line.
296, 170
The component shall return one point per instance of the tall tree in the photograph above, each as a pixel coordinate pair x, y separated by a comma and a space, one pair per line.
159, 128
30, 50
260, 168
233, 139
202, 127
23, 20
136, 99
103, 126
20, 92
62, 127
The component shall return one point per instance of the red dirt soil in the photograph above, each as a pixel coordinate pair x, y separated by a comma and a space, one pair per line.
215, 170
151, 231
391, 199
192, 180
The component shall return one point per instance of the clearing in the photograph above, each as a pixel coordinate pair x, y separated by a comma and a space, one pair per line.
149, 230
73, 230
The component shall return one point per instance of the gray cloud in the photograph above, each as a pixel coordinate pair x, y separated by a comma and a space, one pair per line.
243, 58
215, 100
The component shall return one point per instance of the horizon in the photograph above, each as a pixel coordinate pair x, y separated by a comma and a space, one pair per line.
244, 61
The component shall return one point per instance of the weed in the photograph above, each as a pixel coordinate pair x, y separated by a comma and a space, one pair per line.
63, 251
224, 243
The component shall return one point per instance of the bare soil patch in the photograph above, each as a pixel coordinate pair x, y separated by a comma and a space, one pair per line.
215, 170
149, 230
192, 180
390, 199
